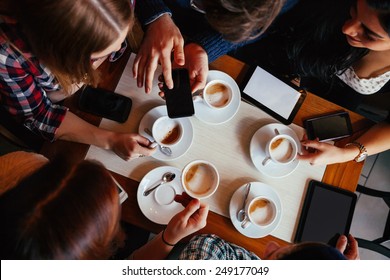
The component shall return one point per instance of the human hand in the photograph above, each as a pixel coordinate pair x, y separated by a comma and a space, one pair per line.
160, 40
197, 64
129, 146
348, 247
322, 153
183, 199
186, 222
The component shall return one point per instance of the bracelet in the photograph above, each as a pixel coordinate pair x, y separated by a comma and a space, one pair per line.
362, 151
163, 239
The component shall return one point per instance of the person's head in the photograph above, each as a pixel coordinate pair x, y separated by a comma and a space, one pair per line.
315, 45
241, 20
302, 251
66, 34
62, 211
369, 25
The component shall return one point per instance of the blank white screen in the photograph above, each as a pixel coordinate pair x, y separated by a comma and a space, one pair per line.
272, 92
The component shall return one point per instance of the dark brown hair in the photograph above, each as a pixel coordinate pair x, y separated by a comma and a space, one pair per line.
64, 33
241, 20
62, 211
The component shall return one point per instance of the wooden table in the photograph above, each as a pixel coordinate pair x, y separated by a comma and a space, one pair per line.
344, 175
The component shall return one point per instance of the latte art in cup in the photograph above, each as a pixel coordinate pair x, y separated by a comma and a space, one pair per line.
218, 95
281, 150
262, 211
200, 179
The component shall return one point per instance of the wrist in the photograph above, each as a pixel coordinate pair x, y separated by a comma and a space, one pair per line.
350, 152
109, 144
168, 239
359, 151
164, 17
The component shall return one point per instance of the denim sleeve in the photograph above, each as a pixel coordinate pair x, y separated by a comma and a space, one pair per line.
148, 11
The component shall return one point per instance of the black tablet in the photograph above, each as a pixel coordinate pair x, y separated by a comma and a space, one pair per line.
280, 99
326, 214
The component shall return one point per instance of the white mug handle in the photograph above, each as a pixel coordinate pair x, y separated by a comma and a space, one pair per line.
198, 96
268, 158
266, 161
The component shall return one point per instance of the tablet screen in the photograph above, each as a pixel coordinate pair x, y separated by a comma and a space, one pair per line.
273, 95
327, 213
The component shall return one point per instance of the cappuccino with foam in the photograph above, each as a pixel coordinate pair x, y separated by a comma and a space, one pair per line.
200, 179
217, 94
261, 211
281, 149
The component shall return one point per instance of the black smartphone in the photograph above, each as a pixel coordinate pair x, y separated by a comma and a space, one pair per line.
326, 214
329, 127
179, 98
105, 103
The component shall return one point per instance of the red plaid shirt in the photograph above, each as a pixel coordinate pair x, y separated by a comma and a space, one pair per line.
24, 83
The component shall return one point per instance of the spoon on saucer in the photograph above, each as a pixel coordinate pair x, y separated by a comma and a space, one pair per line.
167, 177
241, 215
165, 150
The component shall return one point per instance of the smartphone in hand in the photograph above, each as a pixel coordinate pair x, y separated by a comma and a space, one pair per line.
179, 98
105, 103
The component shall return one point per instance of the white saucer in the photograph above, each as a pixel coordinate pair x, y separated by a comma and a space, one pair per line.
258, 153
211, 116
159, 206
178, 150
236, 202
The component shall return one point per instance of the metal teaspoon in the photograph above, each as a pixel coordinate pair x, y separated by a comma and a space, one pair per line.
241, 215
167, 177
165, 150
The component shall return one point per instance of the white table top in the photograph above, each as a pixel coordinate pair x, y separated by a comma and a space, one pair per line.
228, 149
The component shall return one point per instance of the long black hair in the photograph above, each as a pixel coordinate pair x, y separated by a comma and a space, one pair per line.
383, 9
317, 47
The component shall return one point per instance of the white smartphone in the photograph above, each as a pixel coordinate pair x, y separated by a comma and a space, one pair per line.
122, 193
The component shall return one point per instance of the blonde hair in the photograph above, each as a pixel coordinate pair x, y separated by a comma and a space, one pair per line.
63, 34
241, 20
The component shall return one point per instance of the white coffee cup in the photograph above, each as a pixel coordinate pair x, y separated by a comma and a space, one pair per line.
167, 132
260, 211
281, 149
200, 179
217, 94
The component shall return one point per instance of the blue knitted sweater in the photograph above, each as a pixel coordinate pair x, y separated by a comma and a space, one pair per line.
211, 41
